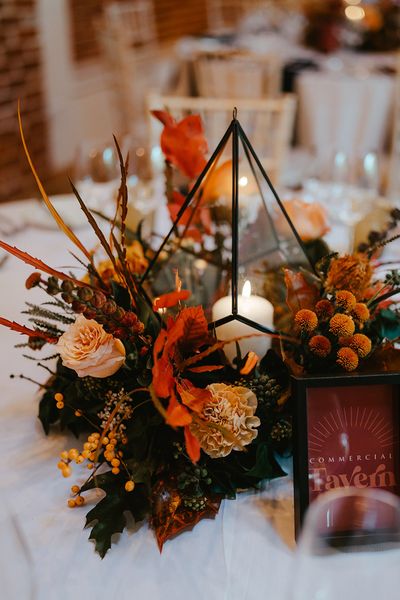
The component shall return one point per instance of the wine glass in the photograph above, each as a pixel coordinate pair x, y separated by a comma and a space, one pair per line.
143, 189
349, 547
97, 174
353, 191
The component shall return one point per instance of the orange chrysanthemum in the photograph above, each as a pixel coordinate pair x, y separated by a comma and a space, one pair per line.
361, 344
345, 300
324, 309
320, 345
306, 320
361, 312
342, 325
347, 359
352, 273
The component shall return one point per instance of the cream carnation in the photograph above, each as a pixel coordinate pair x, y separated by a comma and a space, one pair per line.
232, 409
89, 350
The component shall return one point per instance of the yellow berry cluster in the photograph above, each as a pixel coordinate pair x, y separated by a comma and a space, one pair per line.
59, 398
111, 454
95, 445
77, 499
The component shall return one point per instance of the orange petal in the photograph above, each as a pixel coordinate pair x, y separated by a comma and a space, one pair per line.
162, 377
177, 415
251, 362
169, 300
206, 368
164, 116
192, 396
192, 445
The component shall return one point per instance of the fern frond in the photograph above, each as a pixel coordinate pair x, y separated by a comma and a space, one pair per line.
37, 311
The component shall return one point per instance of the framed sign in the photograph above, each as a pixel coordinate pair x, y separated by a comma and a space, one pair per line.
346, 433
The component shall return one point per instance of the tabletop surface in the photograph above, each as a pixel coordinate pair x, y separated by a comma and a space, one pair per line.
240, 555
244, 554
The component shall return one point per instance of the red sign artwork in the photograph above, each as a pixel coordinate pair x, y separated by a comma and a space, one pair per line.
352, 438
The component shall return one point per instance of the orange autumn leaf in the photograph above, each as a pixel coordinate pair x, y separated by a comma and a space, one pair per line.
170, 516
163, 378
39, 264
28, 331
299, 292
162, 368
195, 328
183, 143
188, 332
192, 445
171, 299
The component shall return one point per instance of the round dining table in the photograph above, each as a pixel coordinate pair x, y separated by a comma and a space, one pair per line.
245, 553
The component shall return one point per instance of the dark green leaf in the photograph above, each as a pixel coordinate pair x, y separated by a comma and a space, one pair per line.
109, 514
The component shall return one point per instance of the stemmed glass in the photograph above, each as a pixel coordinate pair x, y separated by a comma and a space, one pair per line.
354, 190
349, 547
97, 174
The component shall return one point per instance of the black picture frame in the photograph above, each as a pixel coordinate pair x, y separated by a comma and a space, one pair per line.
300, 387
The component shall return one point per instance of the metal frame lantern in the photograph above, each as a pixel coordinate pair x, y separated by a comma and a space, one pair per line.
265, 240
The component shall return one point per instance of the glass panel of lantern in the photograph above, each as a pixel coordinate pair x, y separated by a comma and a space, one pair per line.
230, 241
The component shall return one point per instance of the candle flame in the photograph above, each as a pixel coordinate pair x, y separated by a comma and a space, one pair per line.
246, 291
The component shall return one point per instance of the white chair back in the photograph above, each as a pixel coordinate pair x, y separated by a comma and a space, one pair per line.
268, 123
242, 75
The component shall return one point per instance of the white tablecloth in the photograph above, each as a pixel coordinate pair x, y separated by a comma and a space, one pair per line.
341, 112
244, 554
239, 556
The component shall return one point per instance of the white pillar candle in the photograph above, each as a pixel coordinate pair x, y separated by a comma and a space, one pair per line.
253, 307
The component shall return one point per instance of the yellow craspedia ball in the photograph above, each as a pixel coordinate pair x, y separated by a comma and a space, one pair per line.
361, 312
320, 345
347, 359
342, 325
324, 309
306, 320
361, 344
345, 300
130, 486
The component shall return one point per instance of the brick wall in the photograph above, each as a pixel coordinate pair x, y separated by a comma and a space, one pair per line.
20, 78
174, 19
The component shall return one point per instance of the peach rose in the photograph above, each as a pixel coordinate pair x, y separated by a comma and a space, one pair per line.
89, 350
310, 220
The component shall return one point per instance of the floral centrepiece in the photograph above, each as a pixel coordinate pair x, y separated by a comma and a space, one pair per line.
166, 426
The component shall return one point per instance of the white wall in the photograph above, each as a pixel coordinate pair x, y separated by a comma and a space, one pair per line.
78, 97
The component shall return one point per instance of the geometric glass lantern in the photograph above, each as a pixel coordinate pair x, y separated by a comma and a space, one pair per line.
231, 235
